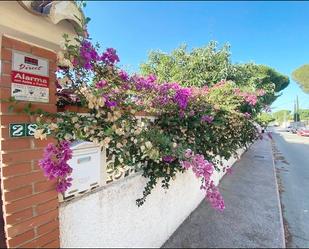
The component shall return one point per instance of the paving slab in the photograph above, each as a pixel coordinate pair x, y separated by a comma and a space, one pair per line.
252, 217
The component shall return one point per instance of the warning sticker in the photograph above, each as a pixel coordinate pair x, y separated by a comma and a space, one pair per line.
29, 79
30, 93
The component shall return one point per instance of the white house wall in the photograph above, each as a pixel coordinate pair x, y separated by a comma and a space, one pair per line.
109, 217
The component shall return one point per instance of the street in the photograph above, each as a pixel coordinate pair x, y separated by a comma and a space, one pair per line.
291, 154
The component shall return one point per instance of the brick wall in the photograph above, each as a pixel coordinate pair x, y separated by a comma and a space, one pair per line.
30, 202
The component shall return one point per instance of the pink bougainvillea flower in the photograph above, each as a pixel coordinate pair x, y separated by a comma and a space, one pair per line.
182, 97
229, 170
191, 113
214, 197
168, 159
110, 56
247, 115
203, 168
123, 75
185, 164
207, 118
55, 164
100, 84
188, 153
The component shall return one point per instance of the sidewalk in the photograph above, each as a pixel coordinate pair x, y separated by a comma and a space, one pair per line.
252, 217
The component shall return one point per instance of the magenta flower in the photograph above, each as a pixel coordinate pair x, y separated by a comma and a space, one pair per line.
168, 159
63, 185
88, 54
123, 75
181, 114
214, 197
251, 99
110, 103
185, 164
229, 170
188, 153
110, 57
100, 84
207, 118
182, 97
203, 168
55, 164
247, 115
145, 83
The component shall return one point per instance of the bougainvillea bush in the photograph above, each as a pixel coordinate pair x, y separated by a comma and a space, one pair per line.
195, 128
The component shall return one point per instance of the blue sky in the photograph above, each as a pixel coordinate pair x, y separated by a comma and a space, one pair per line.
271, 33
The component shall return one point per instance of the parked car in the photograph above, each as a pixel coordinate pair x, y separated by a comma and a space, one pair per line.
294, 130
289, 128
303, 132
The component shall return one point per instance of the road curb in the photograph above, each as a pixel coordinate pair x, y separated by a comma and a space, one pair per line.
278, 195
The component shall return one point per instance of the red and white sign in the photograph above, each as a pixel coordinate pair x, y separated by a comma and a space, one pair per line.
30, 79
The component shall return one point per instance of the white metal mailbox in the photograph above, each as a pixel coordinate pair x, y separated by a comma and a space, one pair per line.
87, 168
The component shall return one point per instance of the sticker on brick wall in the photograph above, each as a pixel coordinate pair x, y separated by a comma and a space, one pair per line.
30, 64
23, 130
30, 93
30, 79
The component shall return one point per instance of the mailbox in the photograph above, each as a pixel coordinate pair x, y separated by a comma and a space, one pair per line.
87, 168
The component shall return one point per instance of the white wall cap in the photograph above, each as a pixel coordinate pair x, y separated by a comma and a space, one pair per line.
78, 145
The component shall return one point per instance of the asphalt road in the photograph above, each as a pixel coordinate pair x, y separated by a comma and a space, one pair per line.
291, 154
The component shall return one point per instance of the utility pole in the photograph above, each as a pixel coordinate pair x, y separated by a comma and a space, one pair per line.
294, 116
297, 108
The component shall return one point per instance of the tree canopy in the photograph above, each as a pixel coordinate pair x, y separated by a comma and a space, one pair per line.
264, 119
201, 66
282, 115
301, 76
304, 114
208, 65
279, 115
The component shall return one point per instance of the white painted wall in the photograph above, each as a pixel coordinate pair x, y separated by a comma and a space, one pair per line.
109, 217
19, 23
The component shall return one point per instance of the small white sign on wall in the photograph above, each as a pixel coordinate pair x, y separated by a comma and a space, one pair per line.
30, 93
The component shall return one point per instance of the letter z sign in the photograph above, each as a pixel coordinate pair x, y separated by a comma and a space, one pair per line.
30, 79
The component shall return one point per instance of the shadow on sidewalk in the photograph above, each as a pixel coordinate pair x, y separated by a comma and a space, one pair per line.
252, 217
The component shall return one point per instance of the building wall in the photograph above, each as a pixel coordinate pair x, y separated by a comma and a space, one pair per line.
109, 216
30, 201
17, 22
